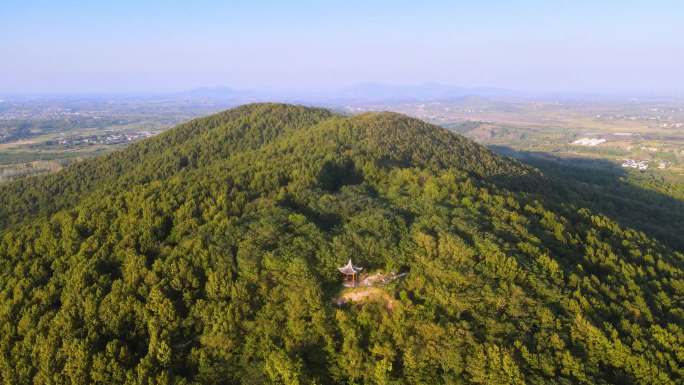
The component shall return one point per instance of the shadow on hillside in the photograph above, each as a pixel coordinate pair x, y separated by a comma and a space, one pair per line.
603, 187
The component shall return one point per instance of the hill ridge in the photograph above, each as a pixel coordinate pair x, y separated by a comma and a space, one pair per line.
216, 136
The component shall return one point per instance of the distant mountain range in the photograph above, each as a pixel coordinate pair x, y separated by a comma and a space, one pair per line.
420, 92
362, 93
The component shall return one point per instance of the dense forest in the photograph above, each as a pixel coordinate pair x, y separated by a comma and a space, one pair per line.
209, 255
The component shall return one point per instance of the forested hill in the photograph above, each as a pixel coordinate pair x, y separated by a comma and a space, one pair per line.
200, 141
205, 141
209, 254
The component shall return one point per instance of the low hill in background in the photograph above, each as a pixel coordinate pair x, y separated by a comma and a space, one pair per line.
208, 254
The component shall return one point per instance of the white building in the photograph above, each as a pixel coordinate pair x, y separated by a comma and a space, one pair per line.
589, 141
638, 164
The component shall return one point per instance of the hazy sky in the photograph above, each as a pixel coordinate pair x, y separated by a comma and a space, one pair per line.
162, 45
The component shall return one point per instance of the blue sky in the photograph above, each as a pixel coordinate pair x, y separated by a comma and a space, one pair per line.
538, 46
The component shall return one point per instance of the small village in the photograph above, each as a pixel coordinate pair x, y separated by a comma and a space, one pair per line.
108, 139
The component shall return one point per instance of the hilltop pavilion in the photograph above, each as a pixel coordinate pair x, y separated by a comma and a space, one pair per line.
349, 271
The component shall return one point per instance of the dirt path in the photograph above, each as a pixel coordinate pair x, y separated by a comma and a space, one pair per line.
379, 279
363, 294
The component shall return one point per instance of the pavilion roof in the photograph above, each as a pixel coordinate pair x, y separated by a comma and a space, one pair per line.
349, 268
